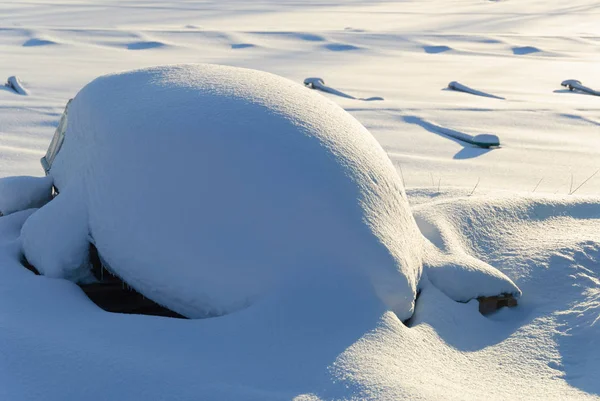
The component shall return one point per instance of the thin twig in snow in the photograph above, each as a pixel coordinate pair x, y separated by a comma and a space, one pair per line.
586, 180
538, 184
571, 186
475, 187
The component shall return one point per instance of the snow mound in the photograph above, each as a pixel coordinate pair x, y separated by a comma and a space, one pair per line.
502, 224
451, 266
61, 249
10, 226
34, 42
206, 186
20, 193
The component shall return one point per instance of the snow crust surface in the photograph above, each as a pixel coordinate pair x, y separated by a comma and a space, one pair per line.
340, 345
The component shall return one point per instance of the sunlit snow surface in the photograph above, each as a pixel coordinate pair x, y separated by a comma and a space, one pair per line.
55, 344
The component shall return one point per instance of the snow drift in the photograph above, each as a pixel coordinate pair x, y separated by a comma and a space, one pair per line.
204, 187
20, 193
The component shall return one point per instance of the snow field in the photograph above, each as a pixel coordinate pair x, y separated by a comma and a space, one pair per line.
519, 217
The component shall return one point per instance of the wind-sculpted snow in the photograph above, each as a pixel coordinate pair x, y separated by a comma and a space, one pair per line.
326, 337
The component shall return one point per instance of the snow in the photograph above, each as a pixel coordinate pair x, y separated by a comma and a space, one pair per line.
20, 193
15, 84
464, 88
55, 239
512, 208
318, 83
573, 84
292, 183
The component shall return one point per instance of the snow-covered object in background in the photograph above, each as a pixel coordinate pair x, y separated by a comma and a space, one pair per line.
15, 84
457, 86
24, 192
205, 187
479, 140
483, 140
573, 84
319, 84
